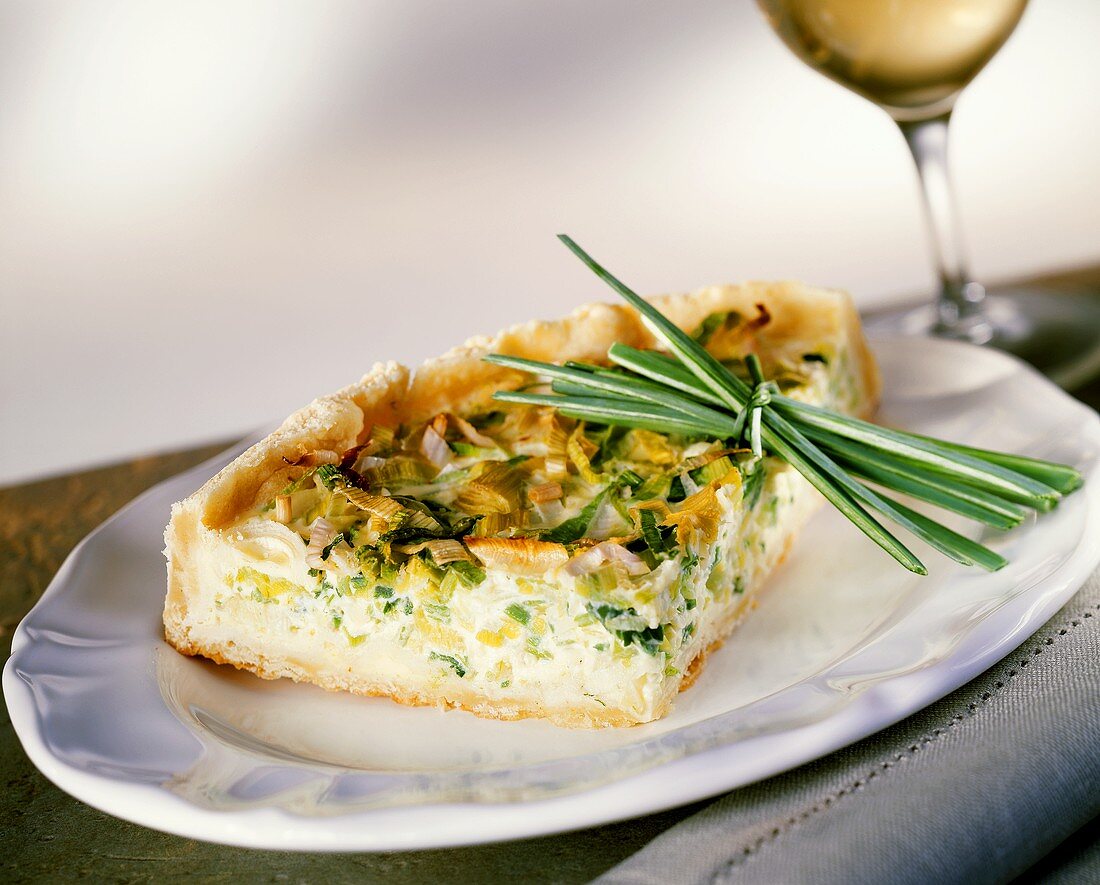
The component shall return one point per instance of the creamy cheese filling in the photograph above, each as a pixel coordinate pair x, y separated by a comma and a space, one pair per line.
510, 635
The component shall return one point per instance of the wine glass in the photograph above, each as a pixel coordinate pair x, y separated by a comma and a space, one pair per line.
912, 58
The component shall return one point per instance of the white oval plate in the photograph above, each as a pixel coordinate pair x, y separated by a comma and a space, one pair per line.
844, 643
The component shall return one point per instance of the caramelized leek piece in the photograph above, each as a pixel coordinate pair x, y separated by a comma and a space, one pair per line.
716, 470
521, 556
548, 491
472, 434
442, 551
495, 489
647, 445
696, 519
557, 441
400, 470
579, 457
496, 523
376, 505
380, 441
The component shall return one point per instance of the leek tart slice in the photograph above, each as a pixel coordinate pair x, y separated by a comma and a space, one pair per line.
413, 537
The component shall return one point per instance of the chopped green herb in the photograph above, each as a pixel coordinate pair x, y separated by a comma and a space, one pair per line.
712, 323
676, 490
629, 626
391, 606
532, 648
650, 533
330, 475
341, 536
518, 612
468, 573
383, 592
573, 529
450, 661
752, 486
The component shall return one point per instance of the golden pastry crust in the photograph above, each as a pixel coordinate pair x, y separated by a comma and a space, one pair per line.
459, 381
470, 700
800, 316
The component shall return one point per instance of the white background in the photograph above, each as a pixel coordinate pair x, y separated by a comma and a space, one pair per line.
212, 212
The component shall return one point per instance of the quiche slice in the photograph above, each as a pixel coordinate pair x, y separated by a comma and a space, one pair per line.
410, 537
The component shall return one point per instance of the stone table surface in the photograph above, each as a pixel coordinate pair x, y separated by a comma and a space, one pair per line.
49, 836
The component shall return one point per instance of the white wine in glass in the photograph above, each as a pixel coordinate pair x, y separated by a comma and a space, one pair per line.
913, 58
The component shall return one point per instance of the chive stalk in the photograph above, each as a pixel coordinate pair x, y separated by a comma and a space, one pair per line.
689, 392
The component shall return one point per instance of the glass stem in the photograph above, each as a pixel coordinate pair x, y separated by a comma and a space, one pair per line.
959, 312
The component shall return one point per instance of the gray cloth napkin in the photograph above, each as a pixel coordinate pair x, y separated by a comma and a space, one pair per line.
976, 788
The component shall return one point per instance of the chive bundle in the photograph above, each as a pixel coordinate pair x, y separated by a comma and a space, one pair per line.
688, 391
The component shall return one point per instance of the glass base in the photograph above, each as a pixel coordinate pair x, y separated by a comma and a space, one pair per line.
1056, 330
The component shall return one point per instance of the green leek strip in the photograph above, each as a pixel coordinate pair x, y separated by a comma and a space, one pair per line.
647, 520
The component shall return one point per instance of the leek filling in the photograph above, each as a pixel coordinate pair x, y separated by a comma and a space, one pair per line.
417, 514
